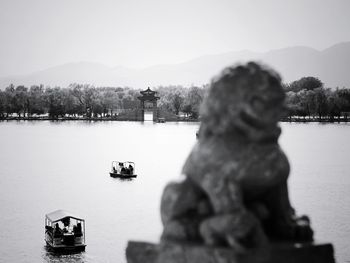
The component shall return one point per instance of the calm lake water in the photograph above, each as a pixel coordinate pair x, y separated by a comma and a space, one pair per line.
46, 166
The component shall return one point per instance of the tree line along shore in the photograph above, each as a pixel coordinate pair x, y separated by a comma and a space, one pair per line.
307, 100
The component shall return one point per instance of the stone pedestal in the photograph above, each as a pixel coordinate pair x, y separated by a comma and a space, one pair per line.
141, 252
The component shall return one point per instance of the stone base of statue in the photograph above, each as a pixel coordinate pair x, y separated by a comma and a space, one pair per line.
142, 252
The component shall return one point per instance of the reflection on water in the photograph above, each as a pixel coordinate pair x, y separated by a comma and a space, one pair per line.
46, 166
148, 116
49, 256
123, 179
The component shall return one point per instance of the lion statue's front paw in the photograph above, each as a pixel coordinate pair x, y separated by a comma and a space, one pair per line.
239, 231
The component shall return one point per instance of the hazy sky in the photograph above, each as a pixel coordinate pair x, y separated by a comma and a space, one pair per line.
37, 34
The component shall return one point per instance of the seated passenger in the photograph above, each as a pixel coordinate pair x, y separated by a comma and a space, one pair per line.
131, 169
58, 231
121, 168
67, 227
77, 230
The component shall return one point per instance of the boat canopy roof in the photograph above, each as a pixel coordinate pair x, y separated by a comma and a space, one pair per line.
60, 214
119, 163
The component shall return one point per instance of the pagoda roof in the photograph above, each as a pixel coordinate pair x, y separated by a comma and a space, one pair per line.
148, 94
148, 91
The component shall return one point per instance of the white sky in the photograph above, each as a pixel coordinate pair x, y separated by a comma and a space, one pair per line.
37, 34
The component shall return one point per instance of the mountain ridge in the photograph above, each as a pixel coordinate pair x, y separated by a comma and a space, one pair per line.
329, 65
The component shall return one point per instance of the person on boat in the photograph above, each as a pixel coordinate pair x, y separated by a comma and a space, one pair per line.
121, 168
131, 169
114, 170
67, 227
78, 231
57, 231
57, 227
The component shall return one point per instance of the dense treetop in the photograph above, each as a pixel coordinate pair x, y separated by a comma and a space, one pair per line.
305, 97
90, 101
308, 97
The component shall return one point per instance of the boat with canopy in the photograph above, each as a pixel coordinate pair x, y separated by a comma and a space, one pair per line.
123, 169
64, 231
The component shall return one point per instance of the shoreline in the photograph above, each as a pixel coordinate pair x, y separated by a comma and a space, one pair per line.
85, 119
294, 119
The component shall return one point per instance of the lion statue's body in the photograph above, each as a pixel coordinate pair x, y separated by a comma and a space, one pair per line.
235, 188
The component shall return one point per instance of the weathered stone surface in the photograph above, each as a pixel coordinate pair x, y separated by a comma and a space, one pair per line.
141, 252
191, 253
236, 170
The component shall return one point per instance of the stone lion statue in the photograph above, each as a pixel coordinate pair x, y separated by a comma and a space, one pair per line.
235, 188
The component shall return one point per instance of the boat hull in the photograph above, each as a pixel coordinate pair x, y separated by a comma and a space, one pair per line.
116, 175
64, 248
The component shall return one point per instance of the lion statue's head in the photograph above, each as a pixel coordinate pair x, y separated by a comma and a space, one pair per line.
245, 99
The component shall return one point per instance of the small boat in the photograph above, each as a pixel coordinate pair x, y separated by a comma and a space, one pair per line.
123, 170
64, 232
161, 120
